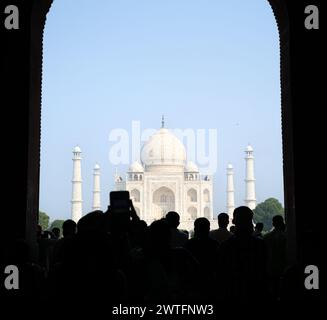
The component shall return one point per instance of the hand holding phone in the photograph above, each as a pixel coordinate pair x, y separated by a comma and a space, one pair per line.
119, 201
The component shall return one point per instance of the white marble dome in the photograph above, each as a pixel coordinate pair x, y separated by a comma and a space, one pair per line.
136, 167
163, 150
191, 167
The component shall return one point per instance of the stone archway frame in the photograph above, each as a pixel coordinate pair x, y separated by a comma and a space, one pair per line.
39, 10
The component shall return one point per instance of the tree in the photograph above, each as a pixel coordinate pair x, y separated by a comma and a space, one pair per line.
265, 211
57, 224
43, 220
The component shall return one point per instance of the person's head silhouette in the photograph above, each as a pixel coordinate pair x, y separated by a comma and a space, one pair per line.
172, 219
278, 223
159, 235
201, 228
91, 223
242, 219
69, 228
56, 232
223, 220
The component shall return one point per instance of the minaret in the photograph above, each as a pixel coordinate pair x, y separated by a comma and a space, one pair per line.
96, 188
230, 191
250, 200
77, 185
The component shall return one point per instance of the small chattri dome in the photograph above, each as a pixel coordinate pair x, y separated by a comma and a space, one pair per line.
249, 148
136, 167
77, 149
191, 167
96, 166
229, 166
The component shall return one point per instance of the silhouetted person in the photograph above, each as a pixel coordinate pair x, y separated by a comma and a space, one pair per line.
164, 273
123, 227
221, 234
202, 246
204, 249
178, 238
89, 270
46, 248
241, 272
137, 235
258, 230
68, 230
56, 233
275, 241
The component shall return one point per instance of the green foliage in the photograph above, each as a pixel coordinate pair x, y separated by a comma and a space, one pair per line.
265, 211
57, 224
43, 220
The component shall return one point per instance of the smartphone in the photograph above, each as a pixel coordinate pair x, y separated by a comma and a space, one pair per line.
119, 201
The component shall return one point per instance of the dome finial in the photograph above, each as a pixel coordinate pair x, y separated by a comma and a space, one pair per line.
162, 121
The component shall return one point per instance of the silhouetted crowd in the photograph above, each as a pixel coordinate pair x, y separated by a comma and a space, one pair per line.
117, 257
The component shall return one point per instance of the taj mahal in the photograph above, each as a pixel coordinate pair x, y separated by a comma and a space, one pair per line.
164, 180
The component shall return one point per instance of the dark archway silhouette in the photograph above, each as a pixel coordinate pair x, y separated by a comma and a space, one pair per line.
24, 93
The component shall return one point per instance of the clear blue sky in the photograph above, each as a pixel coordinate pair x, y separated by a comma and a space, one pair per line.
204, 64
